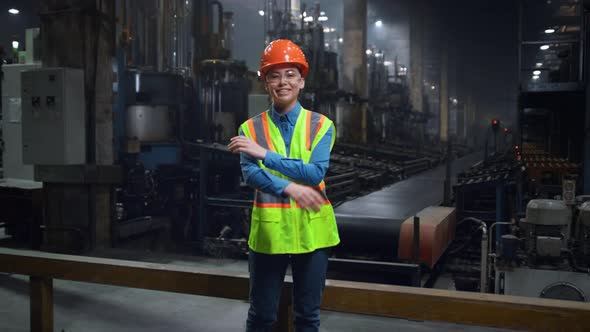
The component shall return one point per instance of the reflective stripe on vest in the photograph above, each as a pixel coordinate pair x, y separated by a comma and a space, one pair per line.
264, 200
314, 124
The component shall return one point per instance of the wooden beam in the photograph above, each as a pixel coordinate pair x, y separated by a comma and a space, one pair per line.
162, 277
504, 311
531, 314
41, 293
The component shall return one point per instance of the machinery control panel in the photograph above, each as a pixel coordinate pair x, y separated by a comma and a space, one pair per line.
53, 116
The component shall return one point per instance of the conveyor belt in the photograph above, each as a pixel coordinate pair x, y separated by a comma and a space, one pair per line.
405, 198
374, 237
370, 226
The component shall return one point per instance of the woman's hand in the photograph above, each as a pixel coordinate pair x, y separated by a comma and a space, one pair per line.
304, 195
239, 144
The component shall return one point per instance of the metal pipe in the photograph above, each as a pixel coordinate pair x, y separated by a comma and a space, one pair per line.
217, 52
160, 37
341, 176
483, 279
490, 242
491, 232
585, 69
483, 288
219, 16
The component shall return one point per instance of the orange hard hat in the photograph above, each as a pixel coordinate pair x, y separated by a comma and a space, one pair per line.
283, 51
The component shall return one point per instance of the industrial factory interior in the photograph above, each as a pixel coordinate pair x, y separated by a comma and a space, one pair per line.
143, 143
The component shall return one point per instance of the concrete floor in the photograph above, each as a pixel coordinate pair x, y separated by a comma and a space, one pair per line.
90, 307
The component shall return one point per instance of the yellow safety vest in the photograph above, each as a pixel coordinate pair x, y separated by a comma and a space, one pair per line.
279, 224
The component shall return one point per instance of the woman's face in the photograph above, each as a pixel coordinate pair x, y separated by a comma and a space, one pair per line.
283, 83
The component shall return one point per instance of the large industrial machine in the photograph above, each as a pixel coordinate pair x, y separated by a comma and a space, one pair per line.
392, 119
545, 254
533, 235
170, 105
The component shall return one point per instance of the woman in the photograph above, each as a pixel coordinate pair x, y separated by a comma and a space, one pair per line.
284, 154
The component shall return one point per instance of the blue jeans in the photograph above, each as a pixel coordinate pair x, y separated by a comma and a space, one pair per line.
267, 273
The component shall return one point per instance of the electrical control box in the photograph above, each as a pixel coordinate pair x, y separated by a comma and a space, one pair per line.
53, 116
11, 144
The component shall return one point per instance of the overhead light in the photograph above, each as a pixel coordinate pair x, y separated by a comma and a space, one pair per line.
550, 30
13, 11
323, 18
369, 52
536, 77
340, 40
326, 30
432, 87
379, 23
322, 13
326, 45
308, 19
261, 12
15, 44
332, 29
186, 2
387, 63
539, 64
544, 47
537, 72
304, 14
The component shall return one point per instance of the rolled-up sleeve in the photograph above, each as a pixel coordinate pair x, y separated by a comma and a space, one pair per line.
259, 178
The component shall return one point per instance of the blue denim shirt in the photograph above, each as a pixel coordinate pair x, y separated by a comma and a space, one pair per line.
308, 174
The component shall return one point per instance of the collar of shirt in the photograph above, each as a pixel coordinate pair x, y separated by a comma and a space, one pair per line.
291, 116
